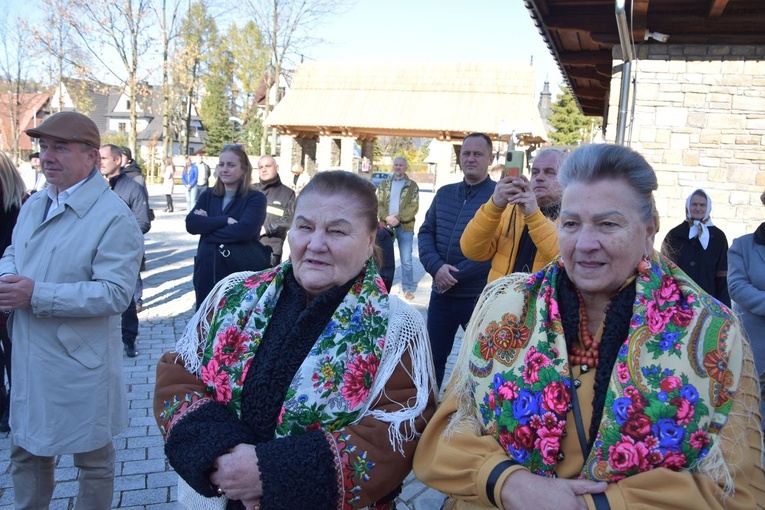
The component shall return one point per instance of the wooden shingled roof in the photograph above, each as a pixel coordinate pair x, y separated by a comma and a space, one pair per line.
419, 99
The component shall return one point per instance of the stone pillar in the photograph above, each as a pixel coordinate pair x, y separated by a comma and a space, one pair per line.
286, 154
335, 146
347, 144
304, 153
368, 151
324, 153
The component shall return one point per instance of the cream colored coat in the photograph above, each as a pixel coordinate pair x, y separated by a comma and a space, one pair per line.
68, 389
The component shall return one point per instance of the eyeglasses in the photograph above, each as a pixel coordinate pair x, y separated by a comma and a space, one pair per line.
233, 146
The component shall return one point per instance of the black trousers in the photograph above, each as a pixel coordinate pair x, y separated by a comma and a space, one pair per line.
445, 315
129, 323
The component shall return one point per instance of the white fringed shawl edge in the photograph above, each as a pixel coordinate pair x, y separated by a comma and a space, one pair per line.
406, 333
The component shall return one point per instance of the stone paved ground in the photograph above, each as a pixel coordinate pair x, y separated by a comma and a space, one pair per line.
144, 480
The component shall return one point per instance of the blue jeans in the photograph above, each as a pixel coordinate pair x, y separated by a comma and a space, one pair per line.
191, 197
405, 240
445, 316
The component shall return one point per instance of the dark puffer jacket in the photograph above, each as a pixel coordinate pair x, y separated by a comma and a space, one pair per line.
281, 206
439, 237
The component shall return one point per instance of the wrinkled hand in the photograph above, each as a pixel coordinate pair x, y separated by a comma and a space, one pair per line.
238, 476
200, 212
523, 489
392, 220
515, 190
15, 292
444, 279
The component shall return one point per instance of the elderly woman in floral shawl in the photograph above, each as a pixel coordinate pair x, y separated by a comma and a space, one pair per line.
609, 379
305, 386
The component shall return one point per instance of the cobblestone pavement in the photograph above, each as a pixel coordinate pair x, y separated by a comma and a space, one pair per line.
144, 480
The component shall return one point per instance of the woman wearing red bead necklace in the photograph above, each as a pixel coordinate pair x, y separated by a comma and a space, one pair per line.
606, 380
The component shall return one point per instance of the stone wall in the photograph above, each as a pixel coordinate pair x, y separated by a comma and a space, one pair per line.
303, 153
700, 122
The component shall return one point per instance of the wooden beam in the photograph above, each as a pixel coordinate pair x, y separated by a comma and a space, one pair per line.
584, 58
608, 39
590, 92
598, 72
716, 8
596, 22
639, 17
591, 104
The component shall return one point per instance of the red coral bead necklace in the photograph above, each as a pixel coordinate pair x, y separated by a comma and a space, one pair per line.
588, 355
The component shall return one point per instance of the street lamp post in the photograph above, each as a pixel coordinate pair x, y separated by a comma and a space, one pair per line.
234, 122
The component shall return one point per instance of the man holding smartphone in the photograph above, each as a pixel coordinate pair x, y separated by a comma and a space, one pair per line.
515, 228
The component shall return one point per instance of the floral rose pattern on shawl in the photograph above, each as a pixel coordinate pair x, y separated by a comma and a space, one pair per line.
661, 409
334, 381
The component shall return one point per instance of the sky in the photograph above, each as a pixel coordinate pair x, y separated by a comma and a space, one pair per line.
445, 30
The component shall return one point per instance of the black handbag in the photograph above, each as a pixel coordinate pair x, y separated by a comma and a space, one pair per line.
246, 256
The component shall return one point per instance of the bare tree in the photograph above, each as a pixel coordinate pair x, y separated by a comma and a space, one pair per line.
56, 40
168, 29
287, 27
14, 69
196, 37
108, 28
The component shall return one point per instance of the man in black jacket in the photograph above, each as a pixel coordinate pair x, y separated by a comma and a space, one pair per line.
131, 168
281, 206
457, 280
134, 195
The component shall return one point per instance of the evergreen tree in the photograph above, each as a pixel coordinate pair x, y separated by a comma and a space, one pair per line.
567, 120
216, 103
248, 53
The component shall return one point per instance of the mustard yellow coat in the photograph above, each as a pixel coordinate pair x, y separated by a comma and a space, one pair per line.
495, 233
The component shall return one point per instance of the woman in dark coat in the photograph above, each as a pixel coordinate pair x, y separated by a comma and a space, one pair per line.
699, 248
229, 212
12, 193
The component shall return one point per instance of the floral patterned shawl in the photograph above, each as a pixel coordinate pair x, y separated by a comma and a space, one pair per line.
670, 391
340, 379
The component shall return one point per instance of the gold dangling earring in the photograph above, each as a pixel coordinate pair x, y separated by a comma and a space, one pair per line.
644, 266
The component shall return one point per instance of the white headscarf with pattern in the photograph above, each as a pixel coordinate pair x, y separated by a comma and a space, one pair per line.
699, 228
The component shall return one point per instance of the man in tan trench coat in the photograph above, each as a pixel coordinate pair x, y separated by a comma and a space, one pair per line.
68, 275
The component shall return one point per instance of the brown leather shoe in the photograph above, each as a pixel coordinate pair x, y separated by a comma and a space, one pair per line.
409, 295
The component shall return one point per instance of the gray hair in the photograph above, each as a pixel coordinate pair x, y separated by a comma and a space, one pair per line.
559, 154
402, 158
600, 162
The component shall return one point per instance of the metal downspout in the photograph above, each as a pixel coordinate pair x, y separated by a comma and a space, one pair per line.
625, 39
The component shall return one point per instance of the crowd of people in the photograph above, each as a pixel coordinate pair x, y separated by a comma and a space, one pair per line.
594, 372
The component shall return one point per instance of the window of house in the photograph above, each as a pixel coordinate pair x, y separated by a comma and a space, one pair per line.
122, 126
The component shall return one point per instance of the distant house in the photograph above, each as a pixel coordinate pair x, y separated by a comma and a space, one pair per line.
31, 109
149, 110
109, 107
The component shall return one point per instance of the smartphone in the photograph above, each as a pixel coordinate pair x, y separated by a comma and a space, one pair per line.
514, 163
